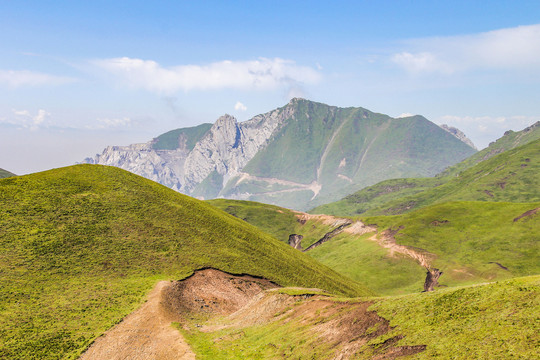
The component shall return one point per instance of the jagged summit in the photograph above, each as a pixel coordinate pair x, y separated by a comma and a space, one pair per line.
300, 155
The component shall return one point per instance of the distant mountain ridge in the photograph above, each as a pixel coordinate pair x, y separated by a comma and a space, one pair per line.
507, 170
299, 156
5, 173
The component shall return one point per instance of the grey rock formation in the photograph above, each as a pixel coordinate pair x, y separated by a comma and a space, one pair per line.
458, 134
296, 156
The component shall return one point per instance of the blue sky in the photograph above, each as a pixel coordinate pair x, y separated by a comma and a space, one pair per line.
77, 76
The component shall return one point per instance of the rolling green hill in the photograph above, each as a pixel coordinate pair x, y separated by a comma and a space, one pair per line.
5, 174
80, 246
465, 240
509, 176
472, 242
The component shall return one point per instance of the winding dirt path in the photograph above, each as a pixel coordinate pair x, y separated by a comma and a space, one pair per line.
145, 334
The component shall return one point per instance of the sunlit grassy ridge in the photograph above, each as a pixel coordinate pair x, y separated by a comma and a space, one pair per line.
80, 246
491, 321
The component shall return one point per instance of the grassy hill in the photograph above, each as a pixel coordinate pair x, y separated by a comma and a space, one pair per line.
472, 242
5, 174
465, 240
80, 246
509, 176
401, 195
490, 321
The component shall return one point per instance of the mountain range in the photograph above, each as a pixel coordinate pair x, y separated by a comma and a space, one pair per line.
299, 156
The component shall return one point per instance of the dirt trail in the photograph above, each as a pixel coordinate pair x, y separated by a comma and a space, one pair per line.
145, 334
314, 187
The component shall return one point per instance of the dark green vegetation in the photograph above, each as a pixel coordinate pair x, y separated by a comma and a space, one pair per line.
343, 150
5, 174
80, 246
492, 321
510, 176
185, 138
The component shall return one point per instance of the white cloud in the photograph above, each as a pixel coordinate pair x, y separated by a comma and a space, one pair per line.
19, 78
107, 123
239, 106
261, 74
511, 48
24, 118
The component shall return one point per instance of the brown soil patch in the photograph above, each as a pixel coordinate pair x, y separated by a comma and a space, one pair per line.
213, 292
345, 327
527, 213
144, 334
488, 193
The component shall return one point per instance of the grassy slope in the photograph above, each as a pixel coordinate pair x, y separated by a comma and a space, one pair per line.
170, 139
80, 246
401, 193
492, 321
469, 237
510, 176
357, 257
376, 195
510, 140
5, 174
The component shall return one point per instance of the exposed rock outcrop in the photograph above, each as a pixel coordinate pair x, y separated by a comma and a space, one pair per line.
292, 156
295, 241
458, 134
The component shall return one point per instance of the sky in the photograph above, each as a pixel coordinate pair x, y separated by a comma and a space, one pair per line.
77, 76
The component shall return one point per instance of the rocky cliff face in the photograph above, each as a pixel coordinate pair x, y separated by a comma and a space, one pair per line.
458, 134
293, 156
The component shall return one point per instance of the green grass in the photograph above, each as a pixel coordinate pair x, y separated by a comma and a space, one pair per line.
5, 174
357, 257
490, 321
505, 171
364, 260
377, 195
467, 239
81, 246
171, 139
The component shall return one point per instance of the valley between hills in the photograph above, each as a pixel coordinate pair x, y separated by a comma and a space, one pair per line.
370, 238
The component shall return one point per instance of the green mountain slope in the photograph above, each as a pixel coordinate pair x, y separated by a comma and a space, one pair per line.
5, 174
510, 140
322, 152
80, 246
472, 242
465, 240
509, 176
173, 139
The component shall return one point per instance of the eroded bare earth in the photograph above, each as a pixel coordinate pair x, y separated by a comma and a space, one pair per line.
145, 334
226, 301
